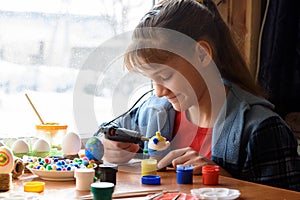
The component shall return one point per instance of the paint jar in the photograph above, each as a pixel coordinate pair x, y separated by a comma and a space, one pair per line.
102, 190
149, 166
53, 133
84, 178
210, 174
184, 174
108, 173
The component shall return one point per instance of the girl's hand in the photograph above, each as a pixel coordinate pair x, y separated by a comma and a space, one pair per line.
118, 152
187, 156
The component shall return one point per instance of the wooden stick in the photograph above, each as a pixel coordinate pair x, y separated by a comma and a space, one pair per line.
151, 197
131, 194
36, 112
135, 193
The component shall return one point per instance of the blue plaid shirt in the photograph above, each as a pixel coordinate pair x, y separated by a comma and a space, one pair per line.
271, 156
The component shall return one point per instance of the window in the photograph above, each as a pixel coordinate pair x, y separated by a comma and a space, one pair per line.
62, 53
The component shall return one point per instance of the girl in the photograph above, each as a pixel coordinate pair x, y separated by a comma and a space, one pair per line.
206, 102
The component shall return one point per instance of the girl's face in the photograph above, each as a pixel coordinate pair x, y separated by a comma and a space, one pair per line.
179, 82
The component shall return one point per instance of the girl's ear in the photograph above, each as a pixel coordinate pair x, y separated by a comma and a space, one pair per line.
204, 52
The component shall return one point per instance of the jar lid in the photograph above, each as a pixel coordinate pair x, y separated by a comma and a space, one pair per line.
151, 180
102, 185
184, 168
210, 168
51, 126
34, 186
108, 166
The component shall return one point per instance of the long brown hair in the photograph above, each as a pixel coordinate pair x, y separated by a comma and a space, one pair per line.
199, 21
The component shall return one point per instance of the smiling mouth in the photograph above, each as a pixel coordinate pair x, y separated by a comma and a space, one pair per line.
173, 99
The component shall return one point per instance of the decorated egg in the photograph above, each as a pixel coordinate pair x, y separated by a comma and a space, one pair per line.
71, 144
94, 149
20, 146
6, 160
41, 145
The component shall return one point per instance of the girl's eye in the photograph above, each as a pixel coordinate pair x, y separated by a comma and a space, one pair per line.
168, 77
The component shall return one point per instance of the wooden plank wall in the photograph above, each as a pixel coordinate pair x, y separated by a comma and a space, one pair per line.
244, 19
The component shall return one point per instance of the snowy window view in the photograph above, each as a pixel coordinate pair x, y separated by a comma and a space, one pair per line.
63, 51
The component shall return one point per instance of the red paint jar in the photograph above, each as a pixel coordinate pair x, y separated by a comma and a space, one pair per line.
210, 174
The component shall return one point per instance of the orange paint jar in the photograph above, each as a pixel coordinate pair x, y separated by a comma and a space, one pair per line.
210, 174
53, 133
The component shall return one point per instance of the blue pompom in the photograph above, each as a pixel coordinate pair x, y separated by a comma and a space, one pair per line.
155, 140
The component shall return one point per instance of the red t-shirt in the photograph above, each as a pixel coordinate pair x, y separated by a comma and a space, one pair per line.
188, 134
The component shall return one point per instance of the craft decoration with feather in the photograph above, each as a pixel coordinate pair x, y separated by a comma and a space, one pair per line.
158, 143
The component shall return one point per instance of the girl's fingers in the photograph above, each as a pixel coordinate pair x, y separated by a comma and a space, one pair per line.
185, 156
167, 160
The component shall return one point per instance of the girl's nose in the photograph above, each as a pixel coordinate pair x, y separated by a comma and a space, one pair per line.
160, 90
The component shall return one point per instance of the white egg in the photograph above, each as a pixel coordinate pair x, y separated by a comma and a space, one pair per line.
71, 144
41, 145
6, 160
20, 146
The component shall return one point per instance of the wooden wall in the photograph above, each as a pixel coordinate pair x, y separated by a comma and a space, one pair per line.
244, 19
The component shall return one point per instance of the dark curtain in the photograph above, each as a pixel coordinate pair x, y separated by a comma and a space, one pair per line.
279, 71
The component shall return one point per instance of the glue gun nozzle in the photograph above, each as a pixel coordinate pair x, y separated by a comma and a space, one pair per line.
144, 138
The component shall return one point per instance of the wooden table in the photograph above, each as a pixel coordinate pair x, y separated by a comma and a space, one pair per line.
129, 179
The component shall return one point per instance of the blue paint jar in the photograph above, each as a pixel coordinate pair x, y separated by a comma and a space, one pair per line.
184, 174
